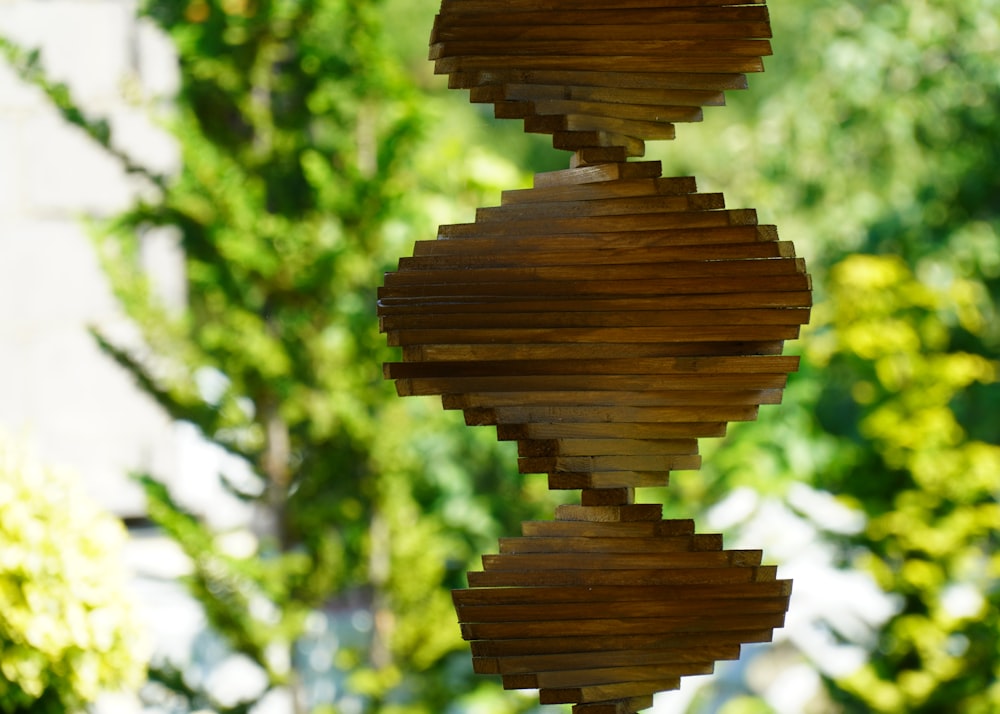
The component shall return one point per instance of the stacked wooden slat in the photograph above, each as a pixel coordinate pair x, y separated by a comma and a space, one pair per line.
600, 76
605, 319
605, 614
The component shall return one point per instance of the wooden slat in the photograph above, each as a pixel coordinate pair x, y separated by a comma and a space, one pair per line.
577, 447
663, 97
624, 256
528, 664
639, 626
615, 479
581, 529
597, 414
515, 46
456, 20
513, 432
563, 28
615, 239
619, 561
594, 350
665, 642
649, 79
665, 62
562, 383
469, 7
604, 676
664, 220
558, 595
627, 206
744, 364
570, 544
603, 464
604, 289
605, 692
623, 188
607, 398
623, 611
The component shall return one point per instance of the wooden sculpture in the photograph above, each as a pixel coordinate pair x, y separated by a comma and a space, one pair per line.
605, 319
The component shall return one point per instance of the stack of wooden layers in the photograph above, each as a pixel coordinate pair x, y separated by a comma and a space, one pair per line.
605, 319
601, 76
604, 615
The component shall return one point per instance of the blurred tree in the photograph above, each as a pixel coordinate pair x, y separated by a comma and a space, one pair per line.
310, 163
68, 626
872, 142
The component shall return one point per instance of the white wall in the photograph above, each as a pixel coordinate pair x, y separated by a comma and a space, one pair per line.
57, 391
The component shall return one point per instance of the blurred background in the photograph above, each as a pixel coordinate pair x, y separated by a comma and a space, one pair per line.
211, 501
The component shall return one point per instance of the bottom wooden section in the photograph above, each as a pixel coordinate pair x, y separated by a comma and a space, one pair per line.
609, 604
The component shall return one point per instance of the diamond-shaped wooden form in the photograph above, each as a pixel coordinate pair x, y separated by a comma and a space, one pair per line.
589, 612
597, 74
605, 319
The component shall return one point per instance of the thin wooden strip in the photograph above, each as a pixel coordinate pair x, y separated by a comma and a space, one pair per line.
545, 562
636, 113
605, 256
662, 97
457, 20
579, 544
614, 240
661, 63
476, 614
667, 642
606, 692
719, 283
593, 174
617, 206
561, 29
732, 593
597, 350
498, 76
618, 706
599, 414
624, 464
468, 320
623, 188
609, 514
562, 383
658, 529
667, 270
581, 123
721, 301
730, 251
578, 140
576, 447
748, 364
606, 464
636, 399
597, 627
478, 6
693, 47
617, 479
516, 432
620, 561
670, 220
592, 677
568, 661
688, 333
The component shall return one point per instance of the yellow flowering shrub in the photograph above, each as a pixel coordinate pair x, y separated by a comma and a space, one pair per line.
68, 630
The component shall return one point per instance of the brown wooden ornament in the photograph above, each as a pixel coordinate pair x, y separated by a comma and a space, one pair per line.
604, 319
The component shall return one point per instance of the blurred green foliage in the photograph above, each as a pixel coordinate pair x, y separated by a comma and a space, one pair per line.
68, 626
872, 141
317, 146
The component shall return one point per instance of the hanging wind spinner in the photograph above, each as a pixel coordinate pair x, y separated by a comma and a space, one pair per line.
605, 319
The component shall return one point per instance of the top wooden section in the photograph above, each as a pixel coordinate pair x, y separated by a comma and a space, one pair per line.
600, 76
